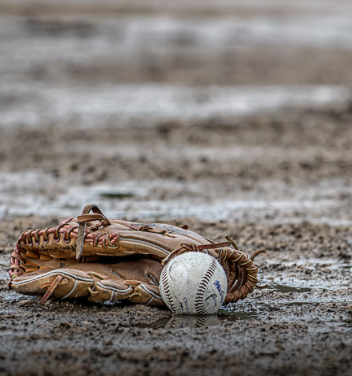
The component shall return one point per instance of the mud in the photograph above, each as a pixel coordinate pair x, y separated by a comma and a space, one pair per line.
300, 323
246, 132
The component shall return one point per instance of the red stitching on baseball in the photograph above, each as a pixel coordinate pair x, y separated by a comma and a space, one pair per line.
167, 293
199, 301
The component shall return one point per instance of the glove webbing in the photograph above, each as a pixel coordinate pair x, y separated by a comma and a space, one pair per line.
86, 217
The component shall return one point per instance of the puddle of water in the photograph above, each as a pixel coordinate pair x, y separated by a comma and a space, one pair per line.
232, 32
287, 281
286, 289
22, 194
227, 315
14, 297
160, 35
123, 104
178, 322
188, 321
115, 195
318, 284
347, 266
158, 324
331, 263
314, 301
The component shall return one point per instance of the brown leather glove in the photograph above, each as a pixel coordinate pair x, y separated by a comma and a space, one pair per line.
109, 259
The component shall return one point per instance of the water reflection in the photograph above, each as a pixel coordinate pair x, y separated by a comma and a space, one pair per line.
177, 322
286, 289
189, 321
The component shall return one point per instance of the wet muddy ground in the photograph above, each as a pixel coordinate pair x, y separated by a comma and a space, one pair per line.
233, 134
300, 324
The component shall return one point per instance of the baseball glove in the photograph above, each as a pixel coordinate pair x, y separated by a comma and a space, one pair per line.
108, 260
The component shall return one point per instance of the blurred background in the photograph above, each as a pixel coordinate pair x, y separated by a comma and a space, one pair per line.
217, 110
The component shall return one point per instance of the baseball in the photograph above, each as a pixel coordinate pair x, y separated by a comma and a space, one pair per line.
193, 284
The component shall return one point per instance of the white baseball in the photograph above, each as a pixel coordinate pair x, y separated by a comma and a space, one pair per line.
193, 284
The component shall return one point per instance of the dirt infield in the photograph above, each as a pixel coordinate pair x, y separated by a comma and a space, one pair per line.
300, 324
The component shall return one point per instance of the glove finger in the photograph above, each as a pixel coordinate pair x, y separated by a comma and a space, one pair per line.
147, 294
74, 283
110, 290
136, 292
